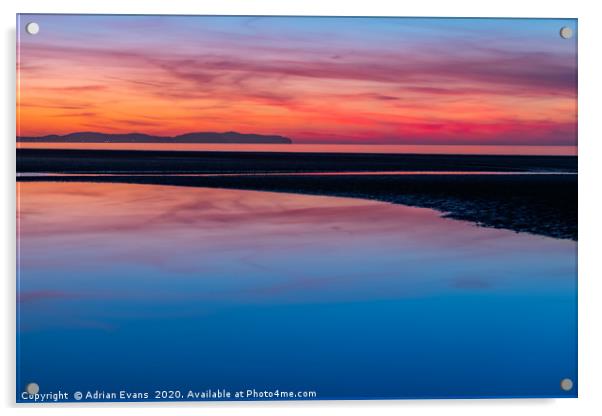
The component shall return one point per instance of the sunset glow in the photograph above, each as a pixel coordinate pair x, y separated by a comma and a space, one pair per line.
314, 80
295, 208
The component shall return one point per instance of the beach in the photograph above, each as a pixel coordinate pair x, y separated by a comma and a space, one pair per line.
533, 194
138, 161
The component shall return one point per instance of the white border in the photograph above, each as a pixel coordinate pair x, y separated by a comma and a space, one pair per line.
590, 273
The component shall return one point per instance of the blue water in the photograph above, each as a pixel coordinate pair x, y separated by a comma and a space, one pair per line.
144, 288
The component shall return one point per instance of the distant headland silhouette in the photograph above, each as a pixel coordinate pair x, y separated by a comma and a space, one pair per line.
197, 137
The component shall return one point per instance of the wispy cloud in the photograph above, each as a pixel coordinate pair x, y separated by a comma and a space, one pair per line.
431, 88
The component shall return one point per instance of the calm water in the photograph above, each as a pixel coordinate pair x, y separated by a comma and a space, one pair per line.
318, 148
145, 287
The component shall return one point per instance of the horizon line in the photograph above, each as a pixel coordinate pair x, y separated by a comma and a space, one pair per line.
292, 140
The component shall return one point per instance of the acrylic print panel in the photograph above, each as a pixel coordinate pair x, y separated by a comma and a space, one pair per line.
296, 208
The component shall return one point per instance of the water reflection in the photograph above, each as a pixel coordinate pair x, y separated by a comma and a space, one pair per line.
150, 286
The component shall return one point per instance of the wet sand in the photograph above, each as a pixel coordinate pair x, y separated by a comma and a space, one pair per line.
543, 204
138, 161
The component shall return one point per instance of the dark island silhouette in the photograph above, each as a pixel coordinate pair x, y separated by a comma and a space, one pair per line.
198, 137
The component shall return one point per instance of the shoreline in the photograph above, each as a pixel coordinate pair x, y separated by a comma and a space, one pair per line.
136, 161
543, 204
537, 204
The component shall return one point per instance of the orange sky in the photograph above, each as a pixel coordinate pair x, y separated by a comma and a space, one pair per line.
381, 81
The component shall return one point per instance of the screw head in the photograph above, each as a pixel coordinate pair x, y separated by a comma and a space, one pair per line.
566, 384
566, 32
32, 28
32, 388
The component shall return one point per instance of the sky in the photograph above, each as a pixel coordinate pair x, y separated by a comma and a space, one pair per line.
315, 80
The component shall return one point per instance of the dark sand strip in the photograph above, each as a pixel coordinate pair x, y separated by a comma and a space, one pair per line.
134, 161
